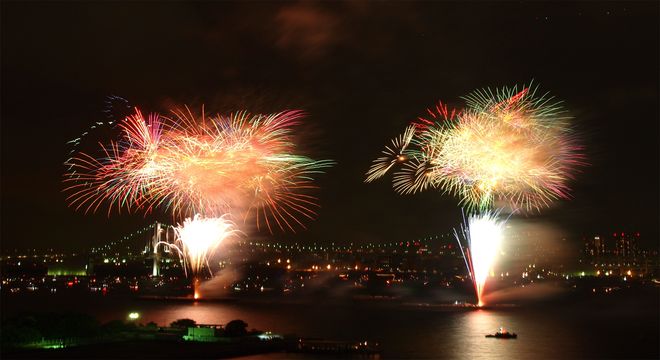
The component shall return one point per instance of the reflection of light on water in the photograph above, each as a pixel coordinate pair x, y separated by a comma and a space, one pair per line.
475, 325
481, 320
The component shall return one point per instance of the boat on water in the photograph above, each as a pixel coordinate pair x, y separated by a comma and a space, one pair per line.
502, 333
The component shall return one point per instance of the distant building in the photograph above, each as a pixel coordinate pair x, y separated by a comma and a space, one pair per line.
619, 245
203, 333
594, 246
625, 244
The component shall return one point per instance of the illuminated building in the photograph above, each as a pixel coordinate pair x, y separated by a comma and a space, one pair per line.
625, 244
595, 246
203, 333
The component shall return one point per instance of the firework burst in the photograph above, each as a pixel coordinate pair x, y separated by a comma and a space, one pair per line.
198, 165
393, 154
509, 145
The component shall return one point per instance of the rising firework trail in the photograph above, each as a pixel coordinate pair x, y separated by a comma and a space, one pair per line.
196, 242
481, 237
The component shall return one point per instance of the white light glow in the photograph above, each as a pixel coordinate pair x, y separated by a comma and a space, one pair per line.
200, 237
485, 234
133, 316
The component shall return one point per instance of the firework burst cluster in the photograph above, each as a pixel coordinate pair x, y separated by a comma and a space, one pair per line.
191, 165
507, 148
508, 145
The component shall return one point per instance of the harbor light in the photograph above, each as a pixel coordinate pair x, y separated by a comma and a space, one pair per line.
133, 316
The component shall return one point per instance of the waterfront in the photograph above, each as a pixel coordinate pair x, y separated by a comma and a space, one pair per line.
622, 325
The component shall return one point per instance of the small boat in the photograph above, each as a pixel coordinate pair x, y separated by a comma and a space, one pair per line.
503, 334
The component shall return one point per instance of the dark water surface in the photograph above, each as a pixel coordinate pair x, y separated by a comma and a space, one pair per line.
622, 326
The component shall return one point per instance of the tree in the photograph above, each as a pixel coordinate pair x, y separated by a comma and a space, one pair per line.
116, 327
183, 323
236, 328
17, 331
152, 325
79, 325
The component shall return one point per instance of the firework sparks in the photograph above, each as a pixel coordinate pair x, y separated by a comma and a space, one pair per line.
508, 145
207, 166
392, 155
198, 239
483, 235
514, 146
116, 108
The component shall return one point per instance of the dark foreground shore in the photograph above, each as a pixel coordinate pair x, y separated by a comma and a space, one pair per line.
151, 349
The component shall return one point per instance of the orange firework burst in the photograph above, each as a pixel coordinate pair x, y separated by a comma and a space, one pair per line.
207, 166
514, 146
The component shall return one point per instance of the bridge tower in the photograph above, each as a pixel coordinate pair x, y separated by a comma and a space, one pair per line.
154, 246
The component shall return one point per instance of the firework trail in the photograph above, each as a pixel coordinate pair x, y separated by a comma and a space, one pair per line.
508, 145
198, 238
115, 109
483, 235
196, 242
197, 165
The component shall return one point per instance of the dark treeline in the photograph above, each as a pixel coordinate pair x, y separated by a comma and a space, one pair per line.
34, 327
43, 330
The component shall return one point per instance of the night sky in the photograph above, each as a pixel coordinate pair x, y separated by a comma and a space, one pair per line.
361, 71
